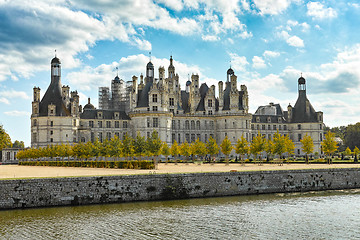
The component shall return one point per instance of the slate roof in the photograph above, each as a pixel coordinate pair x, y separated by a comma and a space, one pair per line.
53, 96
106, 114
203, 90
143, 95
263, 117
227, 97
299, 113
185, 101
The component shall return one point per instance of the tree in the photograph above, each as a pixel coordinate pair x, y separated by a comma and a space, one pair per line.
347, 151
174, 150
18, 144
165, 151
356, 153
289, 145
128, 146
140, 145
307, 145
226, 148
352, 135
257, 145
211, 147
154, 145
329, 145
5, 140
242, 148
185, 150
279, 145
198, 148
269, 148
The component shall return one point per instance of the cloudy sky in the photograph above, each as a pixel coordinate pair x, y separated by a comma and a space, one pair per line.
268, 43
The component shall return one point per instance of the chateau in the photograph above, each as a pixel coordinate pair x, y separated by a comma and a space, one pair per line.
148, 103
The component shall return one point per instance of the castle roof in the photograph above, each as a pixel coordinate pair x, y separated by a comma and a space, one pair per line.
106, 114
303, 111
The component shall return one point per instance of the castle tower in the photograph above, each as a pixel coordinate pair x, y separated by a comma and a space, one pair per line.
171, 69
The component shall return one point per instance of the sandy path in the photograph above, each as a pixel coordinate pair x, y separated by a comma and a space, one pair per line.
14, 171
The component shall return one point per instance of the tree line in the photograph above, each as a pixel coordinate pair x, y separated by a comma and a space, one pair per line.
142, 147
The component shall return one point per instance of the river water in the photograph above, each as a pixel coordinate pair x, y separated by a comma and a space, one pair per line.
313, 215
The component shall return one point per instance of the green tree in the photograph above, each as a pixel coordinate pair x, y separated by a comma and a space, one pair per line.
347, 151
140, 146
128, 146
257, 146
165, 151
198, 148
269, 148
226, 148
352, 135
5, 140
211, 147
185, 150
307, 146
18, 144
154, 145
242, 148
175, 150
329, 145
289, 146
279, 145
356, 153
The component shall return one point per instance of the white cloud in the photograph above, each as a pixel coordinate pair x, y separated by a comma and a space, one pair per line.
245, 35
89, 78
4, 100
295, 41
318, 11
11, 94
16, 113
176, 5
258, 62
239, 63
272, 7
271, 54
210, 38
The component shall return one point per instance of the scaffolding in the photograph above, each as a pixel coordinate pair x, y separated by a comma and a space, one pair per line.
104, 98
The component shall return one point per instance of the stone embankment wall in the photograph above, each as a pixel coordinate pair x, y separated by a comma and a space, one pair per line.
110, 189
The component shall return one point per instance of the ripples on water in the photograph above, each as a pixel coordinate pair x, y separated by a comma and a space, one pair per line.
313, 215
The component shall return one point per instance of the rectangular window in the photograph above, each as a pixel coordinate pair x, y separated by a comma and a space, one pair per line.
51, 140
193, 137
187, 137
117, 124
269, 136
74, 122
252, 127
173, 124
279, 127
51, 123
320, 126
299, 137
210, 104
92, 137
173, 138
179, 124
108, 135
210, 112
91, 124
187, 125
179, 139
155, 108
285, 127
211, 124
299, 126
263, 127
125, 124
171, 101
274, 127
257, 127
148, 122
117, 134
206, 138
154, 97
155, 122
108, 124
269, 127
100, 124
51, 132
198, 136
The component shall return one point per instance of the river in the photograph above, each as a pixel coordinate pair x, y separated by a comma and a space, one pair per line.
312, 215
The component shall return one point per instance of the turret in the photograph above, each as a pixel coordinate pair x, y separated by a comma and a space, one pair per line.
36, 102
221, 95
171, 68
289, 108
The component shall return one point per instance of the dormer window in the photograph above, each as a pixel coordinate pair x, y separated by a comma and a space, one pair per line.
269, 119
257, 119
279, 120
154, 97
99, 114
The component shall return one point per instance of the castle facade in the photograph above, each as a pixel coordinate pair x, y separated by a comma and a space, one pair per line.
148, 103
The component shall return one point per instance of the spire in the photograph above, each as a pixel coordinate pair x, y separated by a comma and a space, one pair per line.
150, 56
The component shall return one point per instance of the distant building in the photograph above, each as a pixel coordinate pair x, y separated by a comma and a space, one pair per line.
8, 155
139, 107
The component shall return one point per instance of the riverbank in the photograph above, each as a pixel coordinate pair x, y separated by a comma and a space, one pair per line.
16, 172
61, 191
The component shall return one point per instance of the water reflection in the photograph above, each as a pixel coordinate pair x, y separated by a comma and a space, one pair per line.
313, 215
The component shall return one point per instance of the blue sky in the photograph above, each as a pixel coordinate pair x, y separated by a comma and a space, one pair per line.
268, 43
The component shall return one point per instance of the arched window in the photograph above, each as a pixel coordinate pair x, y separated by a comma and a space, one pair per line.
192, 125
187, 126
198, 125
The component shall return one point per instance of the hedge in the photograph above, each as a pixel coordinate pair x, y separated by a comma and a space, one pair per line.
135, 164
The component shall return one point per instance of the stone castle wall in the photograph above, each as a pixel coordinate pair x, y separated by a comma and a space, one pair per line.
26, 193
